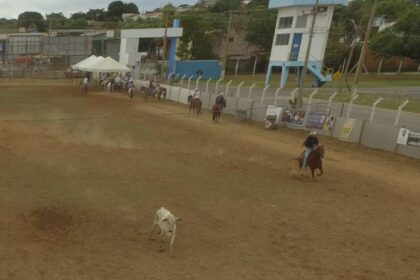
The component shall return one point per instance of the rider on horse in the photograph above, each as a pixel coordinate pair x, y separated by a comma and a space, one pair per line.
221, 99
311, 144
196, 94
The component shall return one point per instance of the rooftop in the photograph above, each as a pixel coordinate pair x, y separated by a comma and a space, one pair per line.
289, 3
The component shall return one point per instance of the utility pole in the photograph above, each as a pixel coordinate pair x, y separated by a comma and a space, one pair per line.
162, 72
226, 44
308, 52
364, 49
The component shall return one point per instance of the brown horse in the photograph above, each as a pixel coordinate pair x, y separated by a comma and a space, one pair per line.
195, 106
146, 91
314, 160
217, 110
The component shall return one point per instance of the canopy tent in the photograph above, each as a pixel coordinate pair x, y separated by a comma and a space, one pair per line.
76, 66
108, 65
91, 60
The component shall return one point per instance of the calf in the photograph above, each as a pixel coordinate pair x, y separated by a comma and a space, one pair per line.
167, 227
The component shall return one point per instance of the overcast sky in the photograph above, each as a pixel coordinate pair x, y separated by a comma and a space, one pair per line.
12, 8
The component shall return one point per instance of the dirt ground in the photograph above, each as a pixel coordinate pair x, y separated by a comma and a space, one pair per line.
81, 178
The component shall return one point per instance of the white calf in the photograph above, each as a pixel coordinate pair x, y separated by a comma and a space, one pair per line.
167, 226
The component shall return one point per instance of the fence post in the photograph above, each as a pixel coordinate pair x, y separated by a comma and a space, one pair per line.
198, 80
380, 64
207, 85
227, 87
372, 113
277, 96
330, 102
293, 93
400, 66
189, 83
309, 106
217, 85
238, 90
351, 105
263, 94
397, 119
169, 84
180, 86
250, 91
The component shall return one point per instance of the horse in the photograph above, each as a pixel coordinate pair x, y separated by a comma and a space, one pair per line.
314, 160
217, 110
195, 106
83, 88
130, 92
147, 91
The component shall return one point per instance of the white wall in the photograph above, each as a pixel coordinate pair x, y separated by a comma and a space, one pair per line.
319, 42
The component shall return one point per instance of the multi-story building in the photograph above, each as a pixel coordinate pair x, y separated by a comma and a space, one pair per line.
292, 34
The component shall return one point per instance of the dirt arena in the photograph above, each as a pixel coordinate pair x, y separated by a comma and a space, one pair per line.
81, 178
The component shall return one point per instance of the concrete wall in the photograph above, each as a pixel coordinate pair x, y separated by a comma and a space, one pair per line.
379, 136
374, 135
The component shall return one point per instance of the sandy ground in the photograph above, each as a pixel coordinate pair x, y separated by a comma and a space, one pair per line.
81, 178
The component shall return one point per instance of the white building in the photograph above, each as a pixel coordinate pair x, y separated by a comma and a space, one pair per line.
292, 34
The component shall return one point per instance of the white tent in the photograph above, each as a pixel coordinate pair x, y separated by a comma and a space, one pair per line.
92, 60
108, 65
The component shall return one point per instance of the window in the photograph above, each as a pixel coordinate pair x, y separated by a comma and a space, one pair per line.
285, 22
282, 39
301, 21
231, 39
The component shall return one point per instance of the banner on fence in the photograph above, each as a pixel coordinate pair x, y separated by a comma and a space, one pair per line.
403, 136
274, 111
407, 137
292, 116
347, 129
320, 121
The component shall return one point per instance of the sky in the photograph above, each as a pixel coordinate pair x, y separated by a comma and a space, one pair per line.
12, 8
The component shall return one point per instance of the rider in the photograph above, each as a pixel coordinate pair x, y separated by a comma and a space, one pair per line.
221, 99
196, 94
311, 144
130, 83
85, 80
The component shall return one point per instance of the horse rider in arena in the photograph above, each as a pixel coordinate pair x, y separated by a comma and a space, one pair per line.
220, 99
311, 144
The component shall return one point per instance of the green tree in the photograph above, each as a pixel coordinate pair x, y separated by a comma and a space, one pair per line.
261, 25
226, 5
96, 14
197, 41
55, 20
130, 8
27, 19
79, 15
115, 10
402, 39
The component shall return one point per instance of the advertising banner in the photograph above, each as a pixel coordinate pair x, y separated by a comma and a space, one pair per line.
274, 111
407, 137
292, 116
403, 136
347, 129
320, 121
